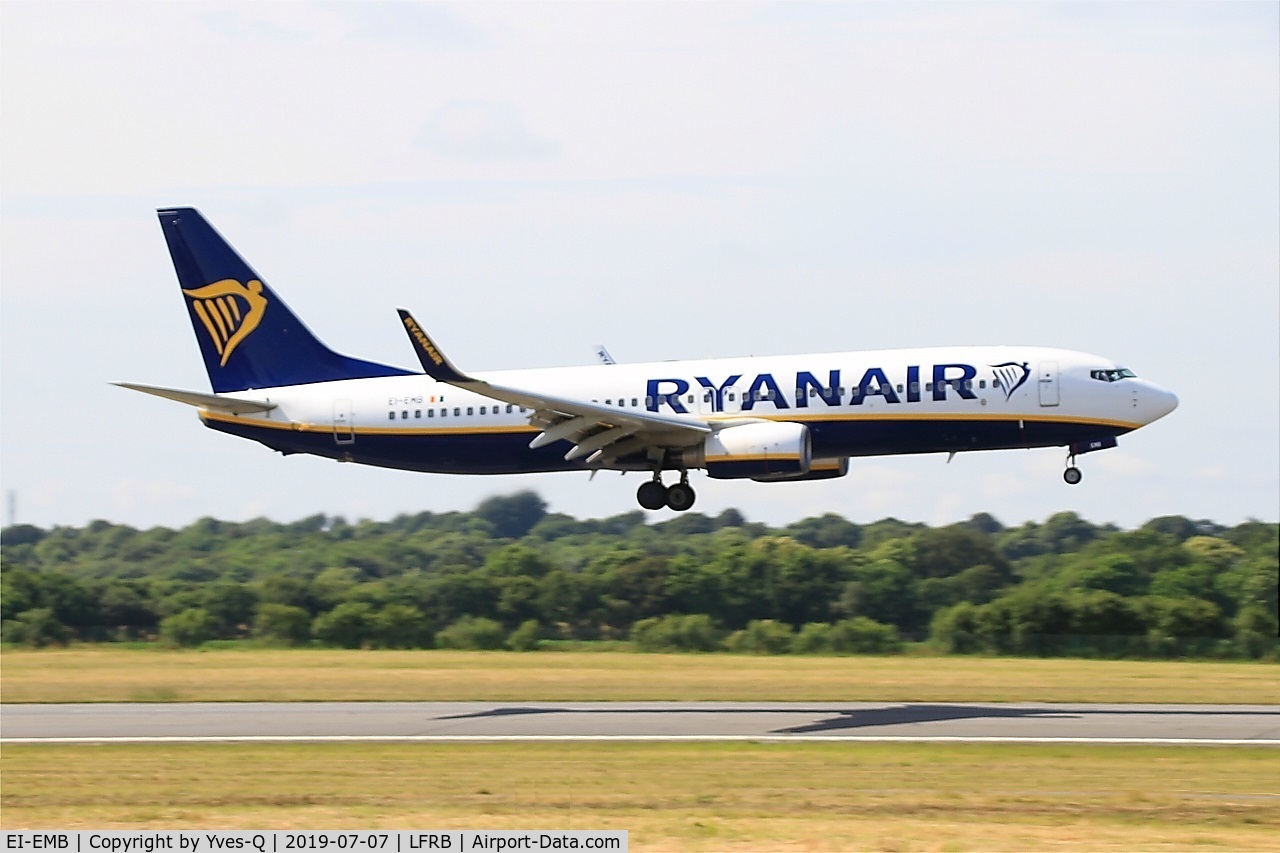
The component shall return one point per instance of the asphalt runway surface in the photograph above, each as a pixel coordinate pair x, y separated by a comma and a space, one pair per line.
1254, 725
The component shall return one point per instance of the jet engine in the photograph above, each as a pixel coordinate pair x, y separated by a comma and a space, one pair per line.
819, 469
759, 450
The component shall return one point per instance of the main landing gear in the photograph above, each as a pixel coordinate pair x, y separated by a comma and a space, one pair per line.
678, 496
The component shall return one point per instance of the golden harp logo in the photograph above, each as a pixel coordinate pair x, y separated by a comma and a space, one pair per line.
230, 311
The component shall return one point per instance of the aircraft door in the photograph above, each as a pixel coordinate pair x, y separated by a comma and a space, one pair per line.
1049, 383
343, 432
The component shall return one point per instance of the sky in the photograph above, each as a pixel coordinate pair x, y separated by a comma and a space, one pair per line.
673, 180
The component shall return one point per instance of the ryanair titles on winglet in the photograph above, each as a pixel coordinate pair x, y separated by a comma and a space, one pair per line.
423, 341
875, 382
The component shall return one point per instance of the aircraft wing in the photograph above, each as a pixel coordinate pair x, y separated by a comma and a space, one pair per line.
599, 433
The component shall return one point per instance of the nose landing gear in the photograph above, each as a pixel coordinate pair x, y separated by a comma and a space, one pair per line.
678, 496
1072, 475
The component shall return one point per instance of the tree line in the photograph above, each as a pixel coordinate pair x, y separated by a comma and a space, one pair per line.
511, 575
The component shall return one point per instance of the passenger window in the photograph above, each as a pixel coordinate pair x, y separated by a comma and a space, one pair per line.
928, 386
509, 408
470, 410
404, 415
813, 392
457, 411
899, 389
483, 410
417, 413
648, 401
431, 413
634, 402
731, 396
690, 398
444, 413
982, 383
915, 387
391, 416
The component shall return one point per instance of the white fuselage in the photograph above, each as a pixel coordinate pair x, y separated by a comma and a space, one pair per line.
943, 399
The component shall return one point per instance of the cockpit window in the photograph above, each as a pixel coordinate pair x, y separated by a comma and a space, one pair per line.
1115, 374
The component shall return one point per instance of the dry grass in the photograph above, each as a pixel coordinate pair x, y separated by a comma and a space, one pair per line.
694, 797
113, 674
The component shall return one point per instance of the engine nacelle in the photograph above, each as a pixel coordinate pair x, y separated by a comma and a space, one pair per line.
755, 450
819, 469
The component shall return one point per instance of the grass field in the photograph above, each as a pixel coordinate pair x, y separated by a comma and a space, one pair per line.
671, 797
114, 674
695, 797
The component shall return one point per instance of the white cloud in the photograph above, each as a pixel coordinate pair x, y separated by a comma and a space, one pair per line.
481, 131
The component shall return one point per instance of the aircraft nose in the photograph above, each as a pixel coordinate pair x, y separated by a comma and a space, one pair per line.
1159, 402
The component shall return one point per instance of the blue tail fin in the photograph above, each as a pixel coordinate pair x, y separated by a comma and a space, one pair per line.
249, 338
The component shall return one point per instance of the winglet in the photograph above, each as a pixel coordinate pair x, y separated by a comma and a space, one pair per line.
433, 361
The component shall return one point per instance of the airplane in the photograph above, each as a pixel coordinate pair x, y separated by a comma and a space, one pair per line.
767, 419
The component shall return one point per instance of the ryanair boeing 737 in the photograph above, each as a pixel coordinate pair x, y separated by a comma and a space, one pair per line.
768, 419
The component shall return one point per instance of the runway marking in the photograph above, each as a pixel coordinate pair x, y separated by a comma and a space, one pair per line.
1142, 741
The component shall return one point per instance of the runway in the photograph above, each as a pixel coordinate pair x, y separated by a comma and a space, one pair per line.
1252, 725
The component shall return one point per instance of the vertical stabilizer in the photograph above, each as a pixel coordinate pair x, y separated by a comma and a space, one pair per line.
248, 336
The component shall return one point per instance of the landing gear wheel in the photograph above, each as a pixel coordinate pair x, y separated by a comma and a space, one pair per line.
1072, 475
652, 495
680, 496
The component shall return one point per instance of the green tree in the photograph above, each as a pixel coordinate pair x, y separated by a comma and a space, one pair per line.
517, 599
948, 551
761, 637
1256, 632
517, 561
232, 606
826, 531
813, 638
512, 516
349, 625
126, 608
861, 635
191, 627
288, 590
958, 629
37, 628
401, 626
282, 624
526, 637
881, 589
688, 633
472, 633
454, 595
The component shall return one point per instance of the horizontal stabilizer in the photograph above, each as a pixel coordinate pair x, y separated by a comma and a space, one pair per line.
230, 405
